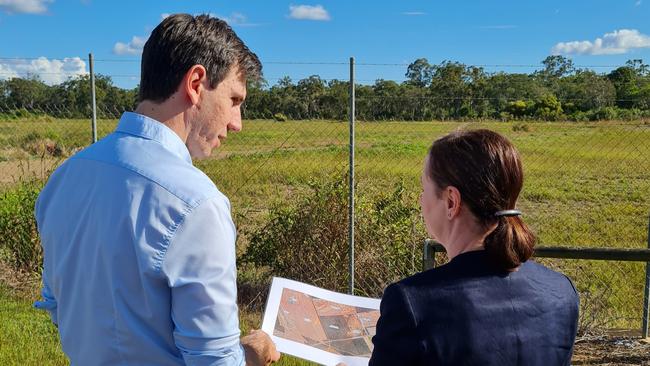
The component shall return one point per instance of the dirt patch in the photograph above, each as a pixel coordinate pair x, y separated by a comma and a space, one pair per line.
611, 350
20, 285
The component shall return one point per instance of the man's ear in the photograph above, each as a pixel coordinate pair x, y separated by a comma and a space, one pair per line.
192, 83
453, 201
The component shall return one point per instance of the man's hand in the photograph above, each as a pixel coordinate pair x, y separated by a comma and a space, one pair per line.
259, 349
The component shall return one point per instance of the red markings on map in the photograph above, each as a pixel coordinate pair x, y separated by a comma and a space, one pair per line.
336, 328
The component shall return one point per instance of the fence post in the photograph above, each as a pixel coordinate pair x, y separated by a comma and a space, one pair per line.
646, 293
351, 179
93, 125
428, 255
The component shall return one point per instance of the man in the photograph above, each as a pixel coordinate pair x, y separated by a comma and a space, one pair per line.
139, 245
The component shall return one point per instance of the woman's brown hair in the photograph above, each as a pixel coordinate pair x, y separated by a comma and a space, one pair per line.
486, 169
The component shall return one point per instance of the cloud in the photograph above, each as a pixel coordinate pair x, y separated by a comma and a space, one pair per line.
236, 20
7, 72
50, 71
507, 26
132, 48
638, 2
413, 13
24, 6
135, 46
308, 12
617, 42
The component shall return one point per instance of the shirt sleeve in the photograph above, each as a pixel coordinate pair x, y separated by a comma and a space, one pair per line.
48, 301
396, 341
200, 269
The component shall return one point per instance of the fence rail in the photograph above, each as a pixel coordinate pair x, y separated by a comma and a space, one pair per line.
431, 247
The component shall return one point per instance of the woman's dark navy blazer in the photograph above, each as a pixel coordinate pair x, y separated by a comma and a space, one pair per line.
469, 313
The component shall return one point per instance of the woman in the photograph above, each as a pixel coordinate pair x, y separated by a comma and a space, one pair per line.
488, 305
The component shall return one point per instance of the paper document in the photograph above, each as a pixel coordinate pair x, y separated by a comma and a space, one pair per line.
319, 325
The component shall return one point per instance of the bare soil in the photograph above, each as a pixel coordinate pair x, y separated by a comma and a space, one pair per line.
611, 350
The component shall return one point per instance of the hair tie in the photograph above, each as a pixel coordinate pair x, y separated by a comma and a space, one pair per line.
507, 213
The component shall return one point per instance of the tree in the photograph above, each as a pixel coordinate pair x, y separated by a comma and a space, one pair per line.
4, 93
630, 81
518, 108
387, 101
586, 90
450, 86
27, 93
445, 91
639, 67
334, 103
557, 66
502, 89
548, 108
419, 73
257, 103
310, 91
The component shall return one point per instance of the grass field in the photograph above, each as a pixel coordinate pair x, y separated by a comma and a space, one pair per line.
28, 337
587, 184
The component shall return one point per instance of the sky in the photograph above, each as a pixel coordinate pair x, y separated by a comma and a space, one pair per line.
52, 38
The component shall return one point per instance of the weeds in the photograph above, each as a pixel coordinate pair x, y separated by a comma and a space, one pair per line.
20, 243
308, 241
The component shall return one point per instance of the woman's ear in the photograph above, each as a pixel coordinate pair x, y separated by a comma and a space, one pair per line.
192, 83
453, 201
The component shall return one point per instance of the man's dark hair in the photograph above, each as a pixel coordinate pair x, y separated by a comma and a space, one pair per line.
181, 41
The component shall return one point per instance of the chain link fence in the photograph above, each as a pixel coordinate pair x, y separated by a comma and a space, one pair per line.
587, 184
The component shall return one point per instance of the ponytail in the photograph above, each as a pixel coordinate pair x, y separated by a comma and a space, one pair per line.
487, 171
510, 244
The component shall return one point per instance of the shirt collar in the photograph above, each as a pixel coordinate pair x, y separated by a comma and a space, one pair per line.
149, 128
471, 256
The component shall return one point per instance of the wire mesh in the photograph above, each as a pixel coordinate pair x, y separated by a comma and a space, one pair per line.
587, 184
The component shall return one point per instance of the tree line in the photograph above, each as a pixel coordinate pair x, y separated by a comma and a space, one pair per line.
449, 90
70, 99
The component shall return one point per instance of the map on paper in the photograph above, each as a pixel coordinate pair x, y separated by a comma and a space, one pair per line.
320, 325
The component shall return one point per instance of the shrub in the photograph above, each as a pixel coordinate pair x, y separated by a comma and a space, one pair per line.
43, 144
629, 114
606, 113
520, 127
518, 108
20, 240
505, 116
22, 113
307, 238
307, 241
579, 116
279, 117
548, 108
570, 108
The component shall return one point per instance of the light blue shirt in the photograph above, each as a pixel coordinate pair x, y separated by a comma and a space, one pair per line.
139, 254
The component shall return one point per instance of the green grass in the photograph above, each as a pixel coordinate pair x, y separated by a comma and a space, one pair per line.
28, 337
586, 184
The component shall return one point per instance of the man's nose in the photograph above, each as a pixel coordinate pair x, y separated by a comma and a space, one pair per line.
235, 125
